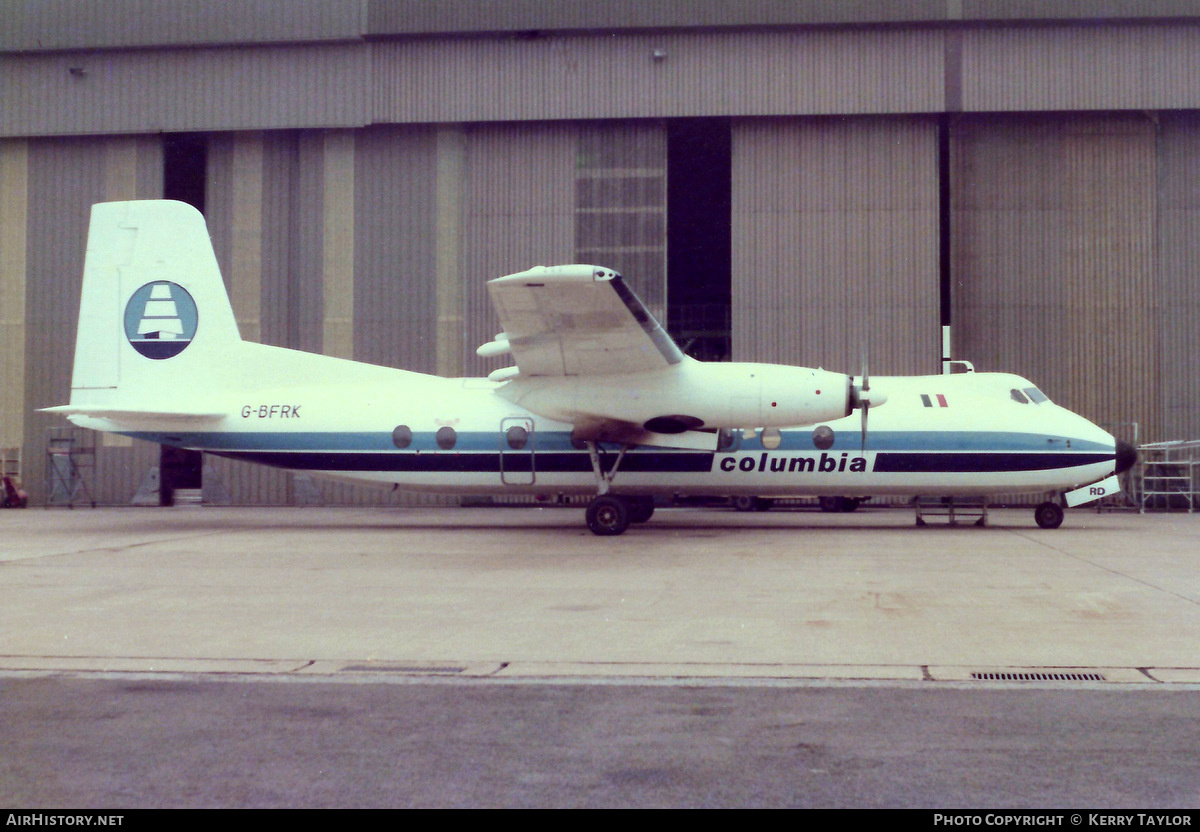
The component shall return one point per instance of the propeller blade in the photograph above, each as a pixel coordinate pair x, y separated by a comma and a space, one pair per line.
866, 401
865, 407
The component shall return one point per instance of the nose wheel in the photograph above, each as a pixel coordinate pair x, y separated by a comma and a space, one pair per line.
1048, 515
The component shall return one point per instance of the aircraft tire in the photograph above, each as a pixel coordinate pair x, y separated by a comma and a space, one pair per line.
745, 503
608, 515
641, 509
834, 505
1048, 515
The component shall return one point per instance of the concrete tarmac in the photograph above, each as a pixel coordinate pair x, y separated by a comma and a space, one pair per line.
508, 657
531, 593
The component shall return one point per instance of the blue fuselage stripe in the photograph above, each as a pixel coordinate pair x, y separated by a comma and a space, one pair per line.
796, 441
552, 452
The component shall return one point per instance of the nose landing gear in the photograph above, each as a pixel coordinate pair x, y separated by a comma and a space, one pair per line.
1048, 515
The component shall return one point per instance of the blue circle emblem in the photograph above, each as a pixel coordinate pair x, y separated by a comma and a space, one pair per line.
160, 319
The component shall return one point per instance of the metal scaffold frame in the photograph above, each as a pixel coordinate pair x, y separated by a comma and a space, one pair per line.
1169, 474
70, 465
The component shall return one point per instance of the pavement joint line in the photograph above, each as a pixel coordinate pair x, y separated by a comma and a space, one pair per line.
616, 672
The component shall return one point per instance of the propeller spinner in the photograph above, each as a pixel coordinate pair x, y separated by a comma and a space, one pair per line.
862, 397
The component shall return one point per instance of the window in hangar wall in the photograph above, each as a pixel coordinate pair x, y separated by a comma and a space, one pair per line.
653, 202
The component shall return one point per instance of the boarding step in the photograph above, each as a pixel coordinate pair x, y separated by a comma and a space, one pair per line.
187, 497
954, 509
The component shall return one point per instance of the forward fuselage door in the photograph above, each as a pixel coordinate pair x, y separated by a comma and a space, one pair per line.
516, 451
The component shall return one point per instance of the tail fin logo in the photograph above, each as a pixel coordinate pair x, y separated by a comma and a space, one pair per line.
160, 319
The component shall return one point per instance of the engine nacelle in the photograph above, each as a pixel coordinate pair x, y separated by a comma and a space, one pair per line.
691, 395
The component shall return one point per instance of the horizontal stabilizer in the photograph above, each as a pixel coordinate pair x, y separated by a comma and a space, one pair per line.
102, 412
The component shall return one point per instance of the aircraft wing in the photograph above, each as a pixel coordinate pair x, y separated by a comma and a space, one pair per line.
576, 321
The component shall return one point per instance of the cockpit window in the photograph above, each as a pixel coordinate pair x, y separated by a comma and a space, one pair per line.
1018, 396
1035, 395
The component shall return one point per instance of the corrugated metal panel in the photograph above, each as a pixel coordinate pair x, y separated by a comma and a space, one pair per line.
1081, 68
77, 24
421, 16
394, 286
1179, 236
14, 232
70, 24
742, 73
518, 211
237, 198
184, 90
65, 178
835, 243
1054, 259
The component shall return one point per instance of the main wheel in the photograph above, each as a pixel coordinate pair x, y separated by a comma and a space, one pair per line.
607, 515
641, 509
1048, 515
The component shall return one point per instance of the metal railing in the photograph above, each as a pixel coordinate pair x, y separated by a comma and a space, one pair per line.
1169, 475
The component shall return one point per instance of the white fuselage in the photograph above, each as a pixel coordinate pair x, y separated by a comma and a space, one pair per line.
937, 435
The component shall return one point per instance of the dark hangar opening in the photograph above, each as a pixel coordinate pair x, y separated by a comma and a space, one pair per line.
699, 247
185, 168
185, 172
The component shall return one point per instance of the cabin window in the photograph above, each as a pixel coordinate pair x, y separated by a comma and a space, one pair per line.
1018, 396
727, 440
446, 438
402, 436
1035, 395
517, 437
823, 438
771, 437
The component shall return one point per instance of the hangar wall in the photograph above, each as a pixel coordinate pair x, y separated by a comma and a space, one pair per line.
65, 176
835, 243
1178, 240
1055, 258
361, 190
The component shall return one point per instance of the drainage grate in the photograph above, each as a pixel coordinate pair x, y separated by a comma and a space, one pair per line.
1026, 676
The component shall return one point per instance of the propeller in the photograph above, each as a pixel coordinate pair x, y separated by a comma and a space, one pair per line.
866, 402
862, 398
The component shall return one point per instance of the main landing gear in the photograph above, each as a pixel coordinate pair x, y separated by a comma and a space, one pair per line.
610, 514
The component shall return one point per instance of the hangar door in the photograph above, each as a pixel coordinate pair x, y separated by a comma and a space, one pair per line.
835, 243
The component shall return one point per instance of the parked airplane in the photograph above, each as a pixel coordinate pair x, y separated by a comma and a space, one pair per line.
600, 401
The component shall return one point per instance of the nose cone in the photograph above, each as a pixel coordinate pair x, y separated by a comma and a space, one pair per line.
1127, 455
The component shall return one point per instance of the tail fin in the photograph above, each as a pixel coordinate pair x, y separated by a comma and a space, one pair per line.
154, 319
